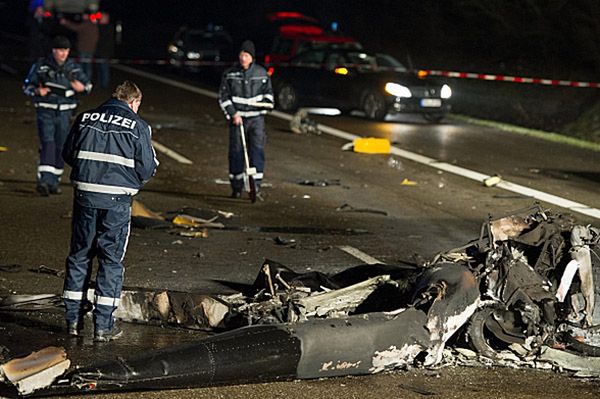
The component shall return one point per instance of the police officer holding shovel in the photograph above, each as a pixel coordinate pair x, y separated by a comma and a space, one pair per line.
111, 155
245, 96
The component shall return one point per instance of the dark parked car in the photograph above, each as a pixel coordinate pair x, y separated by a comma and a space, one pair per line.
377, 84
193, 48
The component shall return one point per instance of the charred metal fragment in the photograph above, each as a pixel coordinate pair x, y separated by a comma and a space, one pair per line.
316, 347
520, 260
35, 371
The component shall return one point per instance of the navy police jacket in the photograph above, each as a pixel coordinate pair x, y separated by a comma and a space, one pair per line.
48, 73
110, 151
247, 92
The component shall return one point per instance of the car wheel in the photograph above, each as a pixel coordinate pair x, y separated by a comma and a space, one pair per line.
433, 118
287, 98
478, 335
374, 105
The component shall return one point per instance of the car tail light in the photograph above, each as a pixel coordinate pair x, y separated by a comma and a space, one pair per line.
301, 30
270, 71
422, 74
96, 16
288, 14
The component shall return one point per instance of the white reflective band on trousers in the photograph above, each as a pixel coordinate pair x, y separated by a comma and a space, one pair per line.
76, 296
50, 169
98, 300
107, 301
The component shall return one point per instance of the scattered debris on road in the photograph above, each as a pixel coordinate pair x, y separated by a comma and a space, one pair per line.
350, 208
302, 124
12, 268
492, 180
188, 218
320, 182
48, 270
372, 145
35, 371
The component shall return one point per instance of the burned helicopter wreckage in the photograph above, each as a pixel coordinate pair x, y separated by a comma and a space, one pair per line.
527, 281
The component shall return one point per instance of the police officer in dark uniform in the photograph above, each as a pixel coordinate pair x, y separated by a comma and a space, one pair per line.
245, 96
111, 155
53, 83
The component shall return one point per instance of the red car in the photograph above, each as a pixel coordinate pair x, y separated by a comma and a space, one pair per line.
296, 39
292, 33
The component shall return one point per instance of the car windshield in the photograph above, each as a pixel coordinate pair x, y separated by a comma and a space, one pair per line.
313, 58
362, 60
387, 61
350, 59
206, 39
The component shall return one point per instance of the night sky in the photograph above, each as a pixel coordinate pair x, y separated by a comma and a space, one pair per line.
540, 36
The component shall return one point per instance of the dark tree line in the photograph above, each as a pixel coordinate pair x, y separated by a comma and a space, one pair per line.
540, 36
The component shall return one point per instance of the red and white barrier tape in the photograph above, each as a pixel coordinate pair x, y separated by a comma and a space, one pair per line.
421, 73
512, 79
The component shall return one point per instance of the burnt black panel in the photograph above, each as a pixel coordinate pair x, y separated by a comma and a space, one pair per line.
255, 353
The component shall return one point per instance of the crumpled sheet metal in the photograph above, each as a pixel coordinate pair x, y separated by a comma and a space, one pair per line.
318, 347
182, 309
585, 366
581, 253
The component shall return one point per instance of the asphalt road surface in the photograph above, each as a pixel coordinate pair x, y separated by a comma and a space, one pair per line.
369, 210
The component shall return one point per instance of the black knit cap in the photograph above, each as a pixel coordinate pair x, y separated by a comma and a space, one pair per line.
61, 42
248, 47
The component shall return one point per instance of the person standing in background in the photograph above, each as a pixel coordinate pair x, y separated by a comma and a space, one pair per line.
37, 36
245, 96
105, 49
52, 83
87, 39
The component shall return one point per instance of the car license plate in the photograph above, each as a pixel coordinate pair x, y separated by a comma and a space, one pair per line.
431, 102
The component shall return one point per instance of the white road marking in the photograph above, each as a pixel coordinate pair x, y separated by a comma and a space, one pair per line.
357, 253
166, 81
169, 152
470, 174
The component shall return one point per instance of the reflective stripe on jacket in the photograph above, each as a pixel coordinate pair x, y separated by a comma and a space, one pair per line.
247, 92
48, 73
110, 150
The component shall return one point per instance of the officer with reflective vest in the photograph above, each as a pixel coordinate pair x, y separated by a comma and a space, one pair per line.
245, 96
53, 83
111, 155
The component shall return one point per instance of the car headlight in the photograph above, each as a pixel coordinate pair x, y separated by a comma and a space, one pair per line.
398, 90
172, 48
446, 92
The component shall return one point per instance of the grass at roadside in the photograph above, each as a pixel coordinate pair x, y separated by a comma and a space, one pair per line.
551, 136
